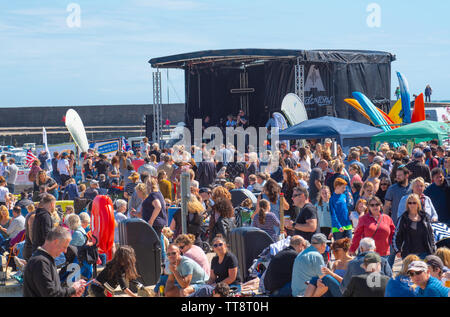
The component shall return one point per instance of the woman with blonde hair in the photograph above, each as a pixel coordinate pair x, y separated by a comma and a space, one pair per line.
367, 190
4, 192
194, 219
186, 244
400, 286
418, 187
374, 176
414, 234
5, 221
444, 254
154, 207
78, 233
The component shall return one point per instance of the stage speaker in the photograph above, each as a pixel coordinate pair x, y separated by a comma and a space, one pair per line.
149, 126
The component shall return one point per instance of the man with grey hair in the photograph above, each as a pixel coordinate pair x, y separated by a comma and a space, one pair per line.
371, 283
41, 278
380, 161
366, 245
119, 216
239, 182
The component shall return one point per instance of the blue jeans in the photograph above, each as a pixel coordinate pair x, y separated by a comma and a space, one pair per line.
342, 235
332, 284
391, 257
284, 291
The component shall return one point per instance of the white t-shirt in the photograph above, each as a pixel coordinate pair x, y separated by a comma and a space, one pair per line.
305, 166
63, 167
145, 147
3, 192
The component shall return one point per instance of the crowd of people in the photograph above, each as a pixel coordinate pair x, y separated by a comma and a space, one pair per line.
347, 217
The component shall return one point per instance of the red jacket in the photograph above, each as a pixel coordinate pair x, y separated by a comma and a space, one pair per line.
366, 229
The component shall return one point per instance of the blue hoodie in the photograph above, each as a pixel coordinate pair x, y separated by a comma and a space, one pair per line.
339, 212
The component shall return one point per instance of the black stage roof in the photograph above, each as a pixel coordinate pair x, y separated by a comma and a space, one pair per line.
250, 55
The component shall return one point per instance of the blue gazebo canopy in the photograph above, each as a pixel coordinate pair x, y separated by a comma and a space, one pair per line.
346, 132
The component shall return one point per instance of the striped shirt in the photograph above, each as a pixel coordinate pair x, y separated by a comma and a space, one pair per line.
269, 225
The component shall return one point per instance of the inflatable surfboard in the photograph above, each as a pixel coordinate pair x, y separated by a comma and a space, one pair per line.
294, 109
371, 111
405, 97
419, 109
355, 104
76, 129
103, 224
395, 112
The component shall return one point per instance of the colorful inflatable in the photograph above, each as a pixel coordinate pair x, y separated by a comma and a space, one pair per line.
372, 111
103, 224
419, 109
355, 104
406, 99
395, 113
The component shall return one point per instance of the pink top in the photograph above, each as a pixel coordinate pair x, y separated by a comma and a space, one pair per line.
196, 253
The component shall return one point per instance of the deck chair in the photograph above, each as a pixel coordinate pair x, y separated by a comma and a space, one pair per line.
13, 243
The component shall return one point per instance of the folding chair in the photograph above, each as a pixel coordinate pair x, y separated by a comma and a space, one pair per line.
12, 249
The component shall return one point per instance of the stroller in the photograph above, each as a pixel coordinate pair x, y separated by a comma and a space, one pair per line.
204, 237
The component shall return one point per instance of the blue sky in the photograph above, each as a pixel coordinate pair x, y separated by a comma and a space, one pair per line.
43, 62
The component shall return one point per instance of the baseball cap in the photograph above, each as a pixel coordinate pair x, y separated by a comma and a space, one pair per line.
328, 140
372, 257
418, 154
427, 149
418, 266
435, 261
319, 238
204, 190
378, 159
95, 182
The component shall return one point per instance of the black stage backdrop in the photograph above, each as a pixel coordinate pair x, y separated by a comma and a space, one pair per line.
327, 84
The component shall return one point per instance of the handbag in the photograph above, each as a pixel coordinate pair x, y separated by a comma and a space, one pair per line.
88, 253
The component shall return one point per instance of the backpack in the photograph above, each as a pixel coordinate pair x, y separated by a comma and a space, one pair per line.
88, 253
224, 226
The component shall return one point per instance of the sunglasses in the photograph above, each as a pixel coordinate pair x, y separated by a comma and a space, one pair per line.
217, 245
412, 203
293, 196
374, 205
414, 273
171, 253
384, 184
